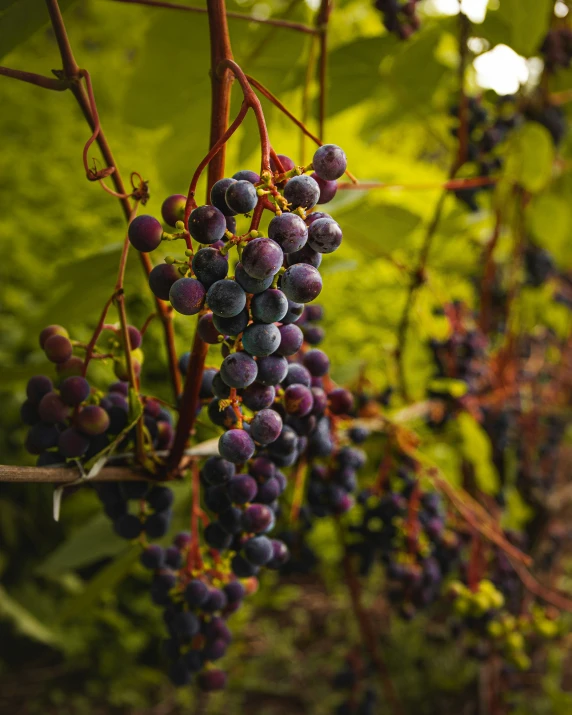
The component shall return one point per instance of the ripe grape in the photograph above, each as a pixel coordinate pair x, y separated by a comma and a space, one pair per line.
286, 443
314, 334
287, 163
218, 200
293, 313
257, 519
241, 197
262, 258
265, 426
297, 375
232, 326
261, 339
273, 369
324, 235
223, 418
207, 224
216, 537
291, 339
135, 337
157, 525
53, 409
42, 436
304, 255
249, 284
298, 400
52, 330
37, 387
162, 278
74, 390
270, 306
226, 298
145, 233
258, 550
209, 266
58, 348
196, 593
173, 209
246, 175
280, 554
317, 362
72, 443
211, 680
236, 446
289, 231
187, 296
257, 396
238, 370
242, 489
341, 401
328, 189
206, 383
71, 367
302, 192
301, 283
329, 162
207, 329
217, 471
29, 413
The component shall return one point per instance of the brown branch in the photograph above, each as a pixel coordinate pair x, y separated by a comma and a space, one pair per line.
65, 475
59, 85
322, 26
487, 281
450, 185
285, 24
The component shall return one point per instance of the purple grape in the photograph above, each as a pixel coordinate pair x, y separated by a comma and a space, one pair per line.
207, 224
249, 284
273, 369
160, 498
196, 593
71, 367
53, 409
235, 591
329, 162
92, 420
29, 413
226, 298
258, 550
135, 337
231, 520
161, 279
241, 197
128, 526
153, 557
73, 443
314, 312
269, 491
317, 362
58, 348
291, 339
205, 390
242, 489
285, 443
52, 330
173, 209
280, 554
232, 326
266, 426
236, 446
184, 361
302, 283
302, 192
42, 436
315, 215
324, 235
297, 375
320, 401
157, 525
74, 390
207, 329
262, 258
341, 401
186, 625
289, 231
246, 175
261, 339
187, 296
287, 163
216, 537
217, 471
314, 335
209, 266
298, 400
211, 680
257, 518
222, 418
37, 387
358, 435
219, 388
238, 370
218, 192
328, 189
270, 306
305, 255
293, 313
215, 650
145, 233
257, 397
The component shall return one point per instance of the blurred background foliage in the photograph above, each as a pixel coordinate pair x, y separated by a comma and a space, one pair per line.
79, 634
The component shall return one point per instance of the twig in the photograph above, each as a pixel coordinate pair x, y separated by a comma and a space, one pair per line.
322, 26
59, 85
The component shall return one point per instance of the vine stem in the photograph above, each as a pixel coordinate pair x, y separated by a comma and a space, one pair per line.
59, 85
322, 26
449, 185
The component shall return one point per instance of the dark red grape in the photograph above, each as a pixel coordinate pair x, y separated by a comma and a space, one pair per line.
257, 518
58, 348
297, 375
211, 680
269, 306
37, 387
241, 197
207, 224
120, 387
145, 233
304, 255
301, 283
302, 192
196, 593
272, 369
317, 362
52, 330
314, 312
42, 436
135, 337
242, 489
289, 231
236, 446
265, 426
247, 175
226, 298
187, 296
315, 215
173, 209
341, 401
53, 409
205, 391
262, 258
29, 413
73, 444
287, 163
209, 266
232, 326
258, 550
291, 339
324, 235
238, 370
257, 396
261, 339
74, 390
293, 313
328, 189
298, 400
71, 367
223, 418
207, 329
218, 192
314, 334
217, 471
329, 162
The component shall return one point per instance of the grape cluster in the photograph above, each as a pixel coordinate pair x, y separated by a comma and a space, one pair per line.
557, 48
399, 16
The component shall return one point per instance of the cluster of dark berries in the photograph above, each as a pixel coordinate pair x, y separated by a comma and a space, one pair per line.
197, 599
557, 48
399, 16
332, 486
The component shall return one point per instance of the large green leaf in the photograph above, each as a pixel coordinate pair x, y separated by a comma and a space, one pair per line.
530, 157
24, 621
476, 448
527, 21
21, 19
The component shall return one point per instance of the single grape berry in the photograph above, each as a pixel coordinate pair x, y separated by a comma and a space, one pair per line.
328, 189
261, 339
209, 266
249, 284
241, 197
58, 348
329, 162
236, 446
302, 192
92, 420
265, 426
269, 306
226, 298
218, 199
289, 231
145, 233
187, 296
37, 387
238, 370
173, 209
246, 175
242, 489
291, 339
257, 396
341, 401
211, 680
304, 255
297, 375
262, 258
301, 283
258, 550
231, 326
42, 436
53, 409
293, 314
135, 337
207, 224
257, 518
298, 400
324, 235
71, 367
74, 390
207, 329
52, 330
285, 161
317, 362
273, 369
73, 443
217, 471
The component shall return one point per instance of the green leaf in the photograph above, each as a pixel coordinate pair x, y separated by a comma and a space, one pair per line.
476, 448
530, 156
527, 21
92, 542
550, 220
25, 622
104, 581
21, 20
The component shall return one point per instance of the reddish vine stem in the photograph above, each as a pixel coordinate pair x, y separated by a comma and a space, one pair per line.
450, 185
96, 333
58, 85
488, 278
285, 24
322, 26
